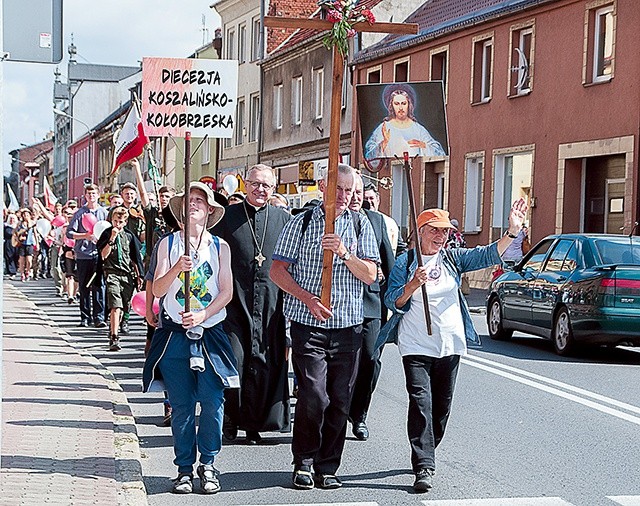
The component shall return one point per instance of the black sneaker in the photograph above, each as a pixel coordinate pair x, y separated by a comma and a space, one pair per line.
114, 343
83, 323
183, 484
124, 328
209, 482
100, 324
424, 480
302, 478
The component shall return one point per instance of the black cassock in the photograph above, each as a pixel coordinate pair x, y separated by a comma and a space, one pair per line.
255, 323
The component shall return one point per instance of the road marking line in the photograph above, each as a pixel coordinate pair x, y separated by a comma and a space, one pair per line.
594, 405
559, 384
625, 500
326, 504
502, 501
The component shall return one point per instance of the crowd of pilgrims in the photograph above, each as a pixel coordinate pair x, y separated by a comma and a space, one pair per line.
105, 261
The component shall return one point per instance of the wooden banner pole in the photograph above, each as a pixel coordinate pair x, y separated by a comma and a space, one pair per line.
186, 224
414, 224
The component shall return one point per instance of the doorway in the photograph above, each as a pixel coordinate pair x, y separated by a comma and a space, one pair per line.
603, 196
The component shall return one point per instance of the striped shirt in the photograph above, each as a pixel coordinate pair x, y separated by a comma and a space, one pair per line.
304, 253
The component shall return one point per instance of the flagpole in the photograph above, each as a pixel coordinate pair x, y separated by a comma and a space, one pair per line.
187, 189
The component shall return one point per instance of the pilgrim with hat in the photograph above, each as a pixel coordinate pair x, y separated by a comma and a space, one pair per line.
190, 352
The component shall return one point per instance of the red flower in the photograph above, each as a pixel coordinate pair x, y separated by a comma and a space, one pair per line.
334, 16
368, 16
351, 33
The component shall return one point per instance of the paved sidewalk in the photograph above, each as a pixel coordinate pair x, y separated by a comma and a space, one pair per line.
68, 436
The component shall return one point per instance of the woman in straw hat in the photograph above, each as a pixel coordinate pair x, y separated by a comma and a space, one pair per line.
190, 351
431, 361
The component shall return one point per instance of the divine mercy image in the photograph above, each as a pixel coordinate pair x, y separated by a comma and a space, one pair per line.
403, 117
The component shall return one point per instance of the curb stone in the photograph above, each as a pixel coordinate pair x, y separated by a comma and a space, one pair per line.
128, 464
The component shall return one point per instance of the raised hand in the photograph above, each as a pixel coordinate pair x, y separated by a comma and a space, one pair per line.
517, 215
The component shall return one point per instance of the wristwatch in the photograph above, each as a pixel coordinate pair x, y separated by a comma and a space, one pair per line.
346, 256
111, 243
509, 234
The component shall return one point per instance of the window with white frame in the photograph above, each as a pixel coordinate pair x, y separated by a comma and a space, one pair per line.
482, 70
318, 92
440, 66
240, 129
473, 194
277, 106
296, 100
206, 151
345, 86
512, 180
231, 44
255, 39
603, 44
374, 75
401, 71
521, 71
254, 117
242, 43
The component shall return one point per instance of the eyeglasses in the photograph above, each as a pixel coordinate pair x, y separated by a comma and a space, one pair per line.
255, 185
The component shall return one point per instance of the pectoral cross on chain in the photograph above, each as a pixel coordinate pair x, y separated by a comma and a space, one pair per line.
336, 108
260, 258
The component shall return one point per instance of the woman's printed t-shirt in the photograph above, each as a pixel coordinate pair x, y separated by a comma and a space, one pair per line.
203, 282
448, 336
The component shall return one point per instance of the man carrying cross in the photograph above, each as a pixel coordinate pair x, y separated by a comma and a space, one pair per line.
325, 341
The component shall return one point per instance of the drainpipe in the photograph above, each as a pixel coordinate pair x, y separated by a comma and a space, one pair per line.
261, 92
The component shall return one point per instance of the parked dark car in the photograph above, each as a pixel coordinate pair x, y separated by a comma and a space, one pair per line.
573, 289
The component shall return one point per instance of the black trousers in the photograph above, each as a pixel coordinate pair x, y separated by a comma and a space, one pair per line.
430, 383
325, 362
368, 371
92, 296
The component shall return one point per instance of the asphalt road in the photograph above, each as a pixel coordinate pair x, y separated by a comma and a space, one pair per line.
527, 428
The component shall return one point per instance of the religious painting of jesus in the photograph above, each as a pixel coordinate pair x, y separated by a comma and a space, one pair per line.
401, 117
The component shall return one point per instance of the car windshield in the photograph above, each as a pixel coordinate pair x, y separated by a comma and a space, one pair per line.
619, 251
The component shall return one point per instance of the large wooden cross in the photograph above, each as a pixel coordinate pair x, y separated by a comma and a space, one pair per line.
334, 131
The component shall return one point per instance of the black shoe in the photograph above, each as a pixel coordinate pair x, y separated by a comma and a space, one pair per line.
302, 478
327, 481
253, 437
124, 328
166, 420
424, 480
100, 324
229, 430
360, 431
83, 323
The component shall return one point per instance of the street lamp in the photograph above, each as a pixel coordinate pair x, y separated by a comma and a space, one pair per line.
59, 112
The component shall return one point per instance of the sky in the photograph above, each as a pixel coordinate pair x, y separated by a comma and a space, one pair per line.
113, 32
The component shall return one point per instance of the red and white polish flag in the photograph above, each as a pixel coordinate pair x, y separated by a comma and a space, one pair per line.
131, 140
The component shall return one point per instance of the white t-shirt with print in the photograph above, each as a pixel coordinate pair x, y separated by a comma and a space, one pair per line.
448, 336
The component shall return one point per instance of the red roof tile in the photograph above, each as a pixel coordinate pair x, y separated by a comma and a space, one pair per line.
435, 17
302, 35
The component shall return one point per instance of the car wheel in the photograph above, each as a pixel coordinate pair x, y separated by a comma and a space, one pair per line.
494, 321
562, 333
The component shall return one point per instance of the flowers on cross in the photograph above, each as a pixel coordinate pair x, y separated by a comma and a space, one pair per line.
344, 14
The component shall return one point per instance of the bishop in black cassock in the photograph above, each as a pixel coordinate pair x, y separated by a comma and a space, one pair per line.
255, 323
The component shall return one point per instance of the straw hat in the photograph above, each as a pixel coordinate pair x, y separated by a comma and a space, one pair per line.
176, 205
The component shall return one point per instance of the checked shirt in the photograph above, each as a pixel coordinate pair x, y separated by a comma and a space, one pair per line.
304, 253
